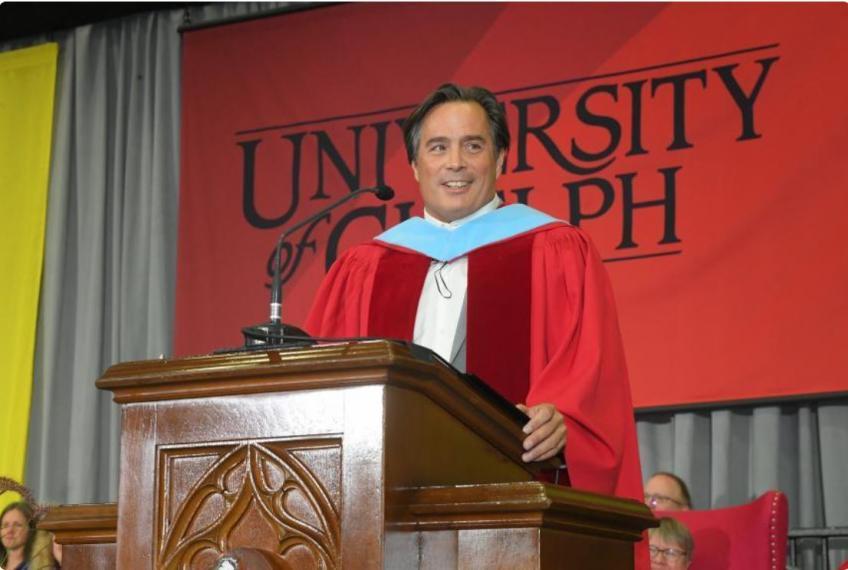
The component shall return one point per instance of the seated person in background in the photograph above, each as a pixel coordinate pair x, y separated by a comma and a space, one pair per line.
24, 547
667, 492
671, 545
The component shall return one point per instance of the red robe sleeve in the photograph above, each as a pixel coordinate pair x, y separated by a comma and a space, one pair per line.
342, 303
577, 363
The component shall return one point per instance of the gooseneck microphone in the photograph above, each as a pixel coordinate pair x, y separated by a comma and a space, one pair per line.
275, 332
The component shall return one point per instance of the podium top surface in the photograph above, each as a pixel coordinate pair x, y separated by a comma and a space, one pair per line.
276, 370
328, 366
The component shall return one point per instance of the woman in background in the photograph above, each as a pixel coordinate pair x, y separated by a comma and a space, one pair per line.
671, 545
23, 546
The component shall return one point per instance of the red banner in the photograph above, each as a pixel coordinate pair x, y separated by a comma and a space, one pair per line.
700, 145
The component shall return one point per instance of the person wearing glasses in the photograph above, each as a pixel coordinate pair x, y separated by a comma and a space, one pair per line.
667, 492
671, 545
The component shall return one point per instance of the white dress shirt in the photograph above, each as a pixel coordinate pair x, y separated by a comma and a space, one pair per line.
441, 307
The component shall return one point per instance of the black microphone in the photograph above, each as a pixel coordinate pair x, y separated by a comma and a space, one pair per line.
274, 332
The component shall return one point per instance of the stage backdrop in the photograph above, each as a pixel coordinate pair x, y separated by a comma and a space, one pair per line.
701, 146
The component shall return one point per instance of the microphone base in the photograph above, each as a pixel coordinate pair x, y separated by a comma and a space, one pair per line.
275, 335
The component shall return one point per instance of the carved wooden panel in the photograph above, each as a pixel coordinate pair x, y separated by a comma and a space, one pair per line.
282, 496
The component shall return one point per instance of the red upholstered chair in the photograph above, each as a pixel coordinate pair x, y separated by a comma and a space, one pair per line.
844, 565
747, 537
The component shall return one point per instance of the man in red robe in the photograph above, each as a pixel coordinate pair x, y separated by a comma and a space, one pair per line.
509, 294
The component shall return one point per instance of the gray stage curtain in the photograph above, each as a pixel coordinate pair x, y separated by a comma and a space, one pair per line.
110, 252
109, 277
731, 456
107, 290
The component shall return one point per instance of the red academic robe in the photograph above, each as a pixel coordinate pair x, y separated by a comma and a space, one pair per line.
541, 327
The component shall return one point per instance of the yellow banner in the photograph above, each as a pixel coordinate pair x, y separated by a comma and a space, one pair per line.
27, 82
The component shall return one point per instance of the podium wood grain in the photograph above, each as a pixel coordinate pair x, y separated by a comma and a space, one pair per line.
341, 456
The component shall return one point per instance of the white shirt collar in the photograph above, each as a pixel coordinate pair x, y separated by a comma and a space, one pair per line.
490, 206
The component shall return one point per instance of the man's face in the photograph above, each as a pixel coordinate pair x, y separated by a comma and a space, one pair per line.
14, 530
667, 555
456, 163
663, 493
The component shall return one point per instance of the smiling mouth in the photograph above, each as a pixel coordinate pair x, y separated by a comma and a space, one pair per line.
456, 184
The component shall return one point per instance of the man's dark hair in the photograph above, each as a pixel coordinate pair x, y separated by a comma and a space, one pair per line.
684, 490
449, 93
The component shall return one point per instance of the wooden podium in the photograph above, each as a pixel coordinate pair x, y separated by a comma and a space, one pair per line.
358, 455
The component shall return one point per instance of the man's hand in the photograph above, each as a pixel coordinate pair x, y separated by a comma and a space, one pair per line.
547, 432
